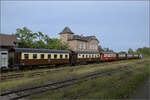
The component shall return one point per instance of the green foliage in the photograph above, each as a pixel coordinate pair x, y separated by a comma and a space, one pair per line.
38, 40
107, 50
100, 48
26, 37
118, 85
130, 51
145, 51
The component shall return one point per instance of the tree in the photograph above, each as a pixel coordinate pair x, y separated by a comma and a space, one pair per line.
38, 40
100, 49
130, 51
26, 37
144, 51
106, 49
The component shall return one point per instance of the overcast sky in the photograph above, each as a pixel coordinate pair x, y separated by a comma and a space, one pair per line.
118, 25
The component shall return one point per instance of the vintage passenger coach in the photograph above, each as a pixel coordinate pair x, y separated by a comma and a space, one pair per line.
87, 56
33, 57
29, 57
108, 56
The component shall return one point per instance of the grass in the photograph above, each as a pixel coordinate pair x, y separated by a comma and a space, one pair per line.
115, 86
26, 72
67, 72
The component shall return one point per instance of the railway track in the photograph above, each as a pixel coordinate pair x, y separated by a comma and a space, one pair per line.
36, 89
20, 75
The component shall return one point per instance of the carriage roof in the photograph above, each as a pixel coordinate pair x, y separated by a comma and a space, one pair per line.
108, 52
32, 50
86, 52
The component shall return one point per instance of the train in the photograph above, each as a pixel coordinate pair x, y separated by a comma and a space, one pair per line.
31, 58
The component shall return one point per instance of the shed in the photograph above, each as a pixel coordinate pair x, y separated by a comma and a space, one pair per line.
8, 41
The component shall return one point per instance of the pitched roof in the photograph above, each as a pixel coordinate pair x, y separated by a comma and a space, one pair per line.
8, 40
83, 38
66, 30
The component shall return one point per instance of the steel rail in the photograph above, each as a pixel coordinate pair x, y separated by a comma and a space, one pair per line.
61, 83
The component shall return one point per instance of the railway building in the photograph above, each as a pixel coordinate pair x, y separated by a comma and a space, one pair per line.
79, 42
8, 41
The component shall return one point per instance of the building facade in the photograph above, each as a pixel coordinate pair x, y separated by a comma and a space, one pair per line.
79, 42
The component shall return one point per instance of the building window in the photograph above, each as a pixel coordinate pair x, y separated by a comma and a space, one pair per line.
34, 56
80, 46
49, 56
61, 56
26, 56
91, 46
96, 47
83, 45
55, 56
4, 53
42, 56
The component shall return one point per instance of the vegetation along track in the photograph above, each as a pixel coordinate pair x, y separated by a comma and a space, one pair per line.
20, 75
31, 90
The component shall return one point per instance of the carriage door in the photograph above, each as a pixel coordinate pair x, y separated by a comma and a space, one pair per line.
73, 58
4, 59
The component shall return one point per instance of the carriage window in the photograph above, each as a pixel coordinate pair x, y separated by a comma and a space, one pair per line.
89, 56
66, 56
42, 56
61, 56
26, 56
4, 53
83, 56
93, 56
49, 56
34, 56
55, 56
86, 56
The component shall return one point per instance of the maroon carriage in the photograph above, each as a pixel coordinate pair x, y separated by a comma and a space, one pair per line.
108, 56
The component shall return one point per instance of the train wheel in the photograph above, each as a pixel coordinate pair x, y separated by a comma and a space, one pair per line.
21, 68
3, 69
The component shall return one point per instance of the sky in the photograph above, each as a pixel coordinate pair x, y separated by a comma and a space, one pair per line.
118, 25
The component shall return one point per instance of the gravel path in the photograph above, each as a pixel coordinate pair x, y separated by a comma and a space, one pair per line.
142, 92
